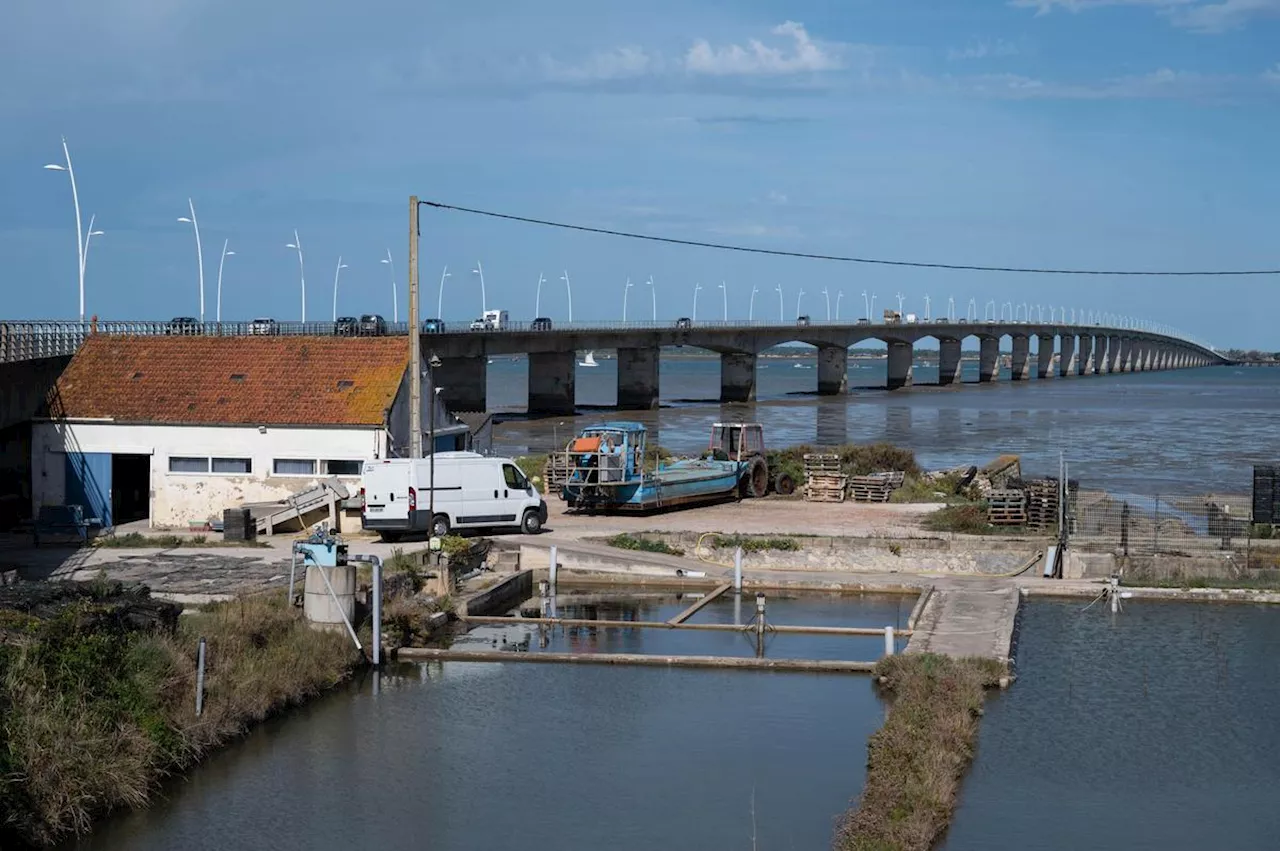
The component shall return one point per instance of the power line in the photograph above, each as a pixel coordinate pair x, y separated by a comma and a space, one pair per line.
873, 261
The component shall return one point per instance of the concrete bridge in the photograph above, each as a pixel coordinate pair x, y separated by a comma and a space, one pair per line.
1082, 350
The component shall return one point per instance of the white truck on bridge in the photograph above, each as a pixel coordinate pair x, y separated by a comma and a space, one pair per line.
493, 320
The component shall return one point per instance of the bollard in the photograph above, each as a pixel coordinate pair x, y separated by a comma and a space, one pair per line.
737, 609
760, 606
200, 679
889, 648
554, 567
1114, 594
377, 614
293, 565
737, 569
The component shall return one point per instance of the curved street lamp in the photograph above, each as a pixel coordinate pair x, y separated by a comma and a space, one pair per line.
568, 288
296, 245
839, 295
484, 299
537, 299
221, 263
395, 295
827, 295
195, 225
653, 292
81, 246
751, 305
782, 311
625, 290
336, 273
440, 298
724, 301
798, 297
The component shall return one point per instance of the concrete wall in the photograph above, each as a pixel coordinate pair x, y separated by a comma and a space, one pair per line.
179, 498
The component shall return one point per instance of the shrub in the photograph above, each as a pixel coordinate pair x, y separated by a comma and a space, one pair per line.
632, 542
968, 519
752, 544
533, 467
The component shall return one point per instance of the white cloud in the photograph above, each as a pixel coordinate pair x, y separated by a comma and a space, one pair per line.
621, 63
1194, 15
983, 50
760, 59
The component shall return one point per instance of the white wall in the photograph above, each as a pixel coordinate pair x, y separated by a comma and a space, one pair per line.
179, 498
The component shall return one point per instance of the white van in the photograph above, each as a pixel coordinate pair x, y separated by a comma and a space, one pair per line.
471, 492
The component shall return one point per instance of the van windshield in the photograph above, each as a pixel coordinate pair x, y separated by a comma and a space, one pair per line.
514, 478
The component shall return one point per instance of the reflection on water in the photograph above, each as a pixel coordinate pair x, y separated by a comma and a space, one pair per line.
1152, 729
1182, 432
458, 756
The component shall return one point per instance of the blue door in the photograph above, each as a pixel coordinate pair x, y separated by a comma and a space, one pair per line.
89, 483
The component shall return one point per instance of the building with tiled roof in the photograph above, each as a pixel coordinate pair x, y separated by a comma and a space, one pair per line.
177, 429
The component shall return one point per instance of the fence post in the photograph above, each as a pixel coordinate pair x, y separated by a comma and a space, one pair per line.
1155, 547
889, 647
200, 679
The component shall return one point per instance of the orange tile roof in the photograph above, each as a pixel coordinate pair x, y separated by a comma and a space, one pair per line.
345, 381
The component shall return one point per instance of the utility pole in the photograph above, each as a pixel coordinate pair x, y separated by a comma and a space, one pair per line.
415, 342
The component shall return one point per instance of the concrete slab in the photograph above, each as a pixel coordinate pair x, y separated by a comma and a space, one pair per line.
976, 620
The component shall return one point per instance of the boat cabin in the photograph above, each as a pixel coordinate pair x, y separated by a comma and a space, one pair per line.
607, 454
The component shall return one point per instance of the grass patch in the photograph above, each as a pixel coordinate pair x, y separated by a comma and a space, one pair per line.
916, 760
968, 519
855, 459
1264, 579
136, 540
752, 544
96, 707
945, 488
633, 542
533, 467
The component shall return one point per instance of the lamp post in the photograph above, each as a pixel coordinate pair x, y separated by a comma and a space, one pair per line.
751, 305
951, 309
900, 302
989, 311
724, 301
395, 296
781, 310
972, 313
696, 289
484, 300
653, 292
537, 298
88, 237
826, 294
568, 288
81, 248
866, 305
336, 273
440, 298
926, 307
195, 225
434, 363
221, 263
302, 274
839, 296
625, 290
799, 296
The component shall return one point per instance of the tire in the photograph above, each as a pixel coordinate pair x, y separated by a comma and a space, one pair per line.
440, 526
755, 481
784, 484
532, 523
390, 537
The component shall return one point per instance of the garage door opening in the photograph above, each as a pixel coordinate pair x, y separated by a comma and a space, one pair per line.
130, 488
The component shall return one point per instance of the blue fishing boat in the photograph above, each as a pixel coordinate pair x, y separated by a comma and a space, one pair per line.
606, 469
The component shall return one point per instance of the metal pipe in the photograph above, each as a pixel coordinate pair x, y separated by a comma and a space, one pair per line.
293, 565
710, 627
376, 603
554, 567
345, 620
889, 646
200, 655
737, 569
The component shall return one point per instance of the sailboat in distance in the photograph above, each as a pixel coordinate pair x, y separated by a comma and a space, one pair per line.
589, 360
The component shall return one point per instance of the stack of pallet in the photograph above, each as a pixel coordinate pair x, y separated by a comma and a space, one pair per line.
1007, 508
238, 525
875, 488
823, 480
1042, 503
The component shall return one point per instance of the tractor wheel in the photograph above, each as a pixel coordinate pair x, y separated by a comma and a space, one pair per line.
784, 485
755, 481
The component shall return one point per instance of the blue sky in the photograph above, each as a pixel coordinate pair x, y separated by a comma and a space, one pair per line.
1077, 133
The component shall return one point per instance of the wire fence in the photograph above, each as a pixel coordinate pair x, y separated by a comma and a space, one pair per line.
1140, 525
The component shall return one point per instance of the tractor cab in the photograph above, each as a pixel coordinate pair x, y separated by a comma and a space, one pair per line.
737, 441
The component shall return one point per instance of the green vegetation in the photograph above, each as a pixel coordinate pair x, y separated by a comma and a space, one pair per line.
1262, 531
855, 459
97, 695
970, 519
454, 545
916, 760
407, 618
751, 544
533, 467
945, 488
136, 540
633, 542
1261, 579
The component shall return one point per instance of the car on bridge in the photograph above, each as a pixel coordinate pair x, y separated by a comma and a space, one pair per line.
372, 325
263, 325
802, 321
183, 325
684, 322
346, 326
433, 326
542, 323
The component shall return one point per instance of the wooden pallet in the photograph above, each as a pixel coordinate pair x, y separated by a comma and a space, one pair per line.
826, 488
875, 488
556, 472
820, 464
1006, 517
1007, 508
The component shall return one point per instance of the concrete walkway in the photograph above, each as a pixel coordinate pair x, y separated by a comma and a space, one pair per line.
975, 620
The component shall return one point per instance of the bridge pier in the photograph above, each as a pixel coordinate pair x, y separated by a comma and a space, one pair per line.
551, 382
463, 383
1101, 359
1044, 356
988, 359
949, 362
1115, 354
900, 356
1020, 363
638, 378
1126, 354
737, 377
833, 371
1084, 359
1066, 355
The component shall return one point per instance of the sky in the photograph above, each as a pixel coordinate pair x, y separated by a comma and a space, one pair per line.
1108, 134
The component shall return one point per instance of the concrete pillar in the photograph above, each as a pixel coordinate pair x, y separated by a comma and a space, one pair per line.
833, 370
1126, 354
1020, 363
1139, 356
463, 383
1115, 353
1101, 357
737, 377
1084, 357
638, 379
949, 362
1066, 355
1044, 358
989, 359
551, 382
900, 356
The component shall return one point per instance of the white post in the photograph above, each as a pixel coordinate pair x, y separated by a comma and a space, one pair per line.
554, 568
737, 569
336, 273
395, 296
568, 288
889, 647
200, 654
221, 263
195, 225
440, 299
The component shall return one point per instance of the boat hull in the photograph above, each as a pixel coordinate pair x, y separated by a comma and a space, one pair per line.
682, 483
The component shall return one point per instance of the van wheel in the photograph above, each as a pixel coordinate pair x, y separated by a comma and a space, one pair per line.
389, 537
532, 524
440, 526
